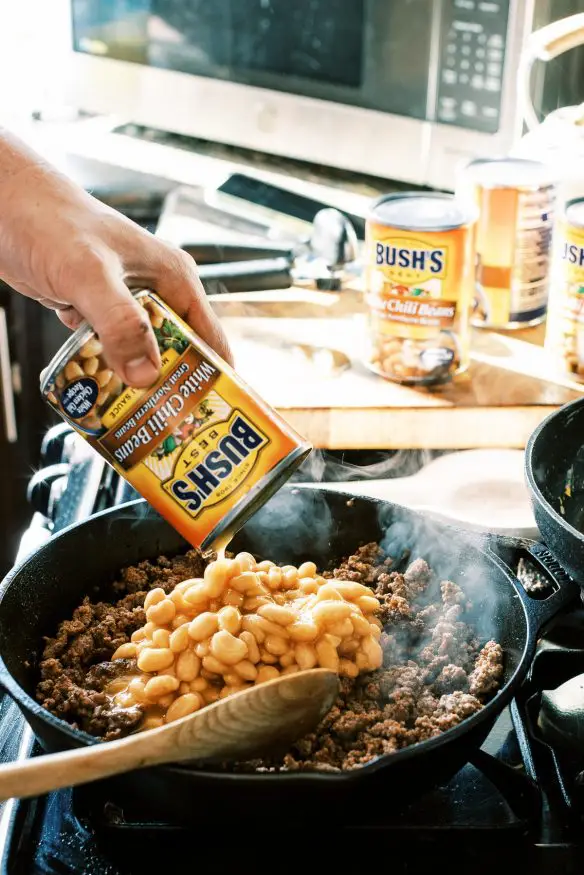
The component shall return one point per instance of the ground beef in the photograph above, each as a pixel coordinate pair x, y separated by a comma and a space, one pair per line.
71, 675
436, 672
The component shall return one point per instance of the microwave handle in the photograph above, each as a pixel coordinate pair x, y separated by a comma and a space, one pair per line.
543, 45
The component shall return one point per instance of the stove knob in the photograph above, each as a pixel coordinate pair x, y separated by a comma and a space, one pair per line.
54, 442
39, 487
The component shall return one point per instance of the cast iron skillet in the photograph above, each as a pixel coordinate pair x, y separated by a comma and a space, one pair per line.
294, 526
554, 468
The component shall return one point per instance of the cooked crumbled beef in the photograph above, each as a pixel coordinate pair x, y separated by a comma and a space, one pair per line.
486, 676
70, 684
100, 675
435, 672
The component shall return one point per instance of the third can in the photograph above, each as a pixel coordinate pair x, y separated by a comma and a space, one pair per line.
565, 327
516, 202
419, 286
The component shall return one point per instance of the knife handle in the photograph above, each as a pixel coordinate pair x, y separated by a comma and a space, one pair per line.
215, 253
246, 276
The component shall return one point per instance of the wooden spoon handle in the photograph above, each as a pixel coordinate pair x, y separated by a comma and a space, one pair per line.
42, 774
257, 720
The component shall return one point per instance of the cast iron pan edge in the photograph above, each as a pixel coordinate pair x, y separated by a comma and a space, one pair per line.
553, 439
536, 615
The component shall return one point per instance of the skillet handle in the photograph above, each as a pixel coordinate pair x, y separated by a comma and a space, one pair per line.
540, 611
544, 610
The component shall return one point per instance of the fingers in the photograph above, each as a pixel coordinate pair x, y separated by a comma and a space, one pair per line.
69, 316
123, 327
178, 283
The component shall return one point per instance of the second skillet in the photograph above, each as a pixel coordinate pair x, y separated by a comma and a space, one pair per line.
554, 468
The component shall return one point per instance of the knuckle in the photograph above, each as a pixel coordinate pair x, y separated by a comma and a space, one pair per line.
177, 262
87, 262
124, 324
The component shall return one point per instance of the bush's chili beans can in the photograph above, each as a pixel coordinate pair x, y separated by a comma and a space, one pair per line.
199, 445
419, 282
516, 201
565, 327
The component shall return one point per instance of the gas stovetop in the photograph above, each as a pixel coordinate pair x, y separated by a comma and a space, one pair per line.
518, 801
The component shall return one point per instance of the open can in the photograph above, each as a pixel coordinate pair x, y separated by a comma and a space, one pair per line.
199, 445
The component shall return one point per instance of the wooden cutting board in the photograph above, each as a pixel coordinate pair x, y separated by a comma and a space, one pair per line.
507, 391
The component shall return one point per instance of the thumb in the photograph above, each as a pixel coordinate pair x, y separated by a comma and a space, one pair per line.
124, 330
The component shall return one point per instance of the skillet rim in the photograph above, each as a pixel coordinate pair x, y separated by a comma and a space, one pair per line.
491, 709
532, 481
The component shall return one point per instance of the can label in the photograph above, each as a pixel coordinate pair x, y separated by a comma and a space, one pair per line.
194, 443
418, 290
234, 449
565, 330
132, 435
514, 234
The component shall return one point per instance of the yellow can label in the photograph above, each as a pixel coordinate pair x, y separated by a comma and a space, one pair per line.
419, 289
513, 242
193, 444
417, 284
232, 449
565, 329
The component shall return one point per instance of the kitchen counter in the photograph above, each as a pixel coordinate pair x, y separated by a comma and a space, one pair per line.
497, 403
505, 394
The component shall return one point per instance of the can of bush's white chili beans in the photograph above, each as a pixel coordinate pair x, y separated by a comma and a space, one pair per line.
199, 445
516, 200
419, 283
564, 339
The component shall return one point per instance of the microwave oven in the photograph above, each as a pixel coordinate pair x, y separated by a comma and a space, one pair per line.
399, 89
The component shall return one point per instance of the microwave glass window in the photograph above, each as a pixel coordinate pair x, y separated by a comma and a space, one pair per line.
112, 28
306, 39
367, 53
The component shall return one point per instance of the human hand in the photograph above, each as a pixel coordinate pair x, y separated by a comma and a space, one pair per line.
79, 257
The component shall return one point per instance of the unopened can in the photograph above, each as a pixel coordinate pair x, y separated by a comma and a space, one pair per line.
516, 201
419, 281
565, 329
200, 445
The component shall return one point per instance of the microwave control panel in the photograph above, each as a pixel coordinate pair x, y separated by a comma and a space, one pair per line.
472, 56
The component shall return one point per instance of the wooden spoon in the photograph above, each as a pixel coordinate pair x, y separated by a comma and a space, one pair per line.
268, 717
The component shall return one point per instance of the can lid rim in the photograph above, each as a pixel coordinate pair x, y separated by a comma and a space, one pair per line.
577, 202
545, 176
468, 213
75, 341
80, 336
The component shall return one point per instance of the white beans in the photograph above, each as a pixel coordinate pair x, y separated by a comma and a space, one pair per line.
245, 623
184, 705
155, 659
227, 648
203, 626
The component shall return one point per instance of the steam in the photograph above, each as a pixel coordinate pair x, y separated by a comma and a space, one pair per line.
322, 466
293, 527
304, 524
453, 555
